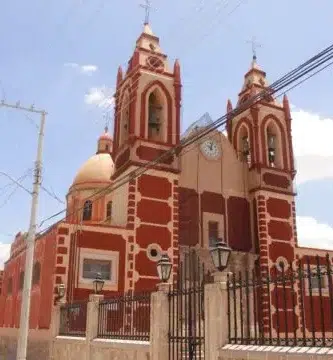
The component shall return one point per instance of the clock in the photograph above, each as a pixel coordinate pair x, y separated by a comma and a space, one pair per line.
211, 149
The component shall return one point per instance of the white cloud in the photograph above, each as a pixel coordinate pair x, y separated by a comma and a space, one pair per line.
311, 233
84, 69
100, 96
313, 147
4, 253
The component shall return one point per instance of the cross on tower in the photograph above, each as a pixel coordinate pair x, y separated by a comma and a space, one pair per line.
107, 118
255, 45
147, 7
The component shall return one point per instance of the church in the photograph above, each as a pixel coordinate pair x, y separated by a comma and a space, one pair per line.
235, 184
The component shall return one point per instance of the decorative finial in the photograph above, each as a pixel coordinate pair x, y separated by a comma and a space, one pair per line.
255, 45
147, 7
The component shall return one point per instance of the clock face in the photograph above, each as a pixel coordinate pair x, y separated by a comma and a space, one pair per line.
211, 149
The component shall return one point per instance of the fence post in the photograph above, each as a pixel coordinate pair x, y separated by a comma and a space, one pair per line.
159, 323
92, 316
55, 320
55, 326
216, 316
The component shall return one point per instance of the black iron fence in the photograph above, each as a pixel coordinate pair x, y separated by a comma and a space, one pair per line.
186, 310
125, 317
291, 304
73, 319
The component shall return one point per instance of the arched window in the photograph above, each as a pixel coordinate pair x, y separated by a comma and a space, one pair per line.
109, 210
87, 210
155, 111
244, 145
124, 119
273, 146
10, 286
21, 280
36, 273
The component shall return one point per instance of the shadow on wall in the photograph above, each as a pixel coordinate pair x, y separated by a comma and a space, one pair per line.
37, 350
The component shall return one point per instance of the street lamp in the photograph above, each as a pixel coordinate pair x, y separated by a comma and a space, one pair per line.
164, 267
220, 255
60, 293
98, 283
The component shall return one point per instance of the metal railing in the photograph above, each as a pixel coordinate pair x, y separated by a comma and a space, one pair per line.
292, 305
125, 317
73, 319
187, 310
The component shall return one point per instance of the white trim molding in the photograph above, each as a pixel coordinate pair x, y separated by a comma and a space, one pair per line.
97, 254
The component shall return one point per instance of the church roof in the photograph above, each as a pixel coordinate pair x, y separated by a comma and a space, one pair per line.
97, 169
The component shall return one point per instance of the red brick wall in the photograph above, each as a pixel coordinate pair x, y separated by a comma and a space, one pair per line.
157, 212
98, 241
235, 210
41, 294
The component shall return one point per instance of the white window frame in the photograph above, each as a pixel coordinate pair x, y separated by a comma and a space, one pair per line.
219, 218
92, 254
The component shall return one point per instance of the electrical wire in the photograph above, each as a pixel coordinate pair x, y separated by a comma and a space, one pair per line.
17, 185
52, 194
207, 130
17, 182
292, 76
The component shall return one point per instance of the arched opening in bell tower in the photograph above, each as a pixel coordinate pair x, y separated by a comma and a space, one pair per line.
273, 145
155, 116
124, 119
244, 145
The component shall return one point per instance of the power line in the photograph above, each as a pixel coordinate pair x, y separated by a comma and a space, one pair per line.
10, 195
18, 185
206, 131
292, 76
16, 182
52, 194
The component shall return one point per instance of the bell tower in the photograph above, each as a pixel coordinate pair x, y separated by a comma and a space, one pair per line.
147, 106
146, 126
261, 136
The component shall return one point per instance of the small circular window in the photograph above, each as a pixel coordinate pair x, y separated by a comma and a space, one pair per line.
154, 252
281, 263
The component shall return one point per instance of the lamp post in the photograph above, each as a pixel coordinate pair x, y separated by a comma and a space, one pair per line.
220, 254
60, 293
98, 283
164, 267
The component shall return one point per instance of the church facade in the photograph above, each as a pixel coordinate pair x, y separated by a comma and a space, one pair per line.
236, 186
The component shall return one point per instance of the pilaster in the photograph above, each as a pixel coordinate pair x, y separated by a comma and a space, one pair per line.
159, 320
216, 317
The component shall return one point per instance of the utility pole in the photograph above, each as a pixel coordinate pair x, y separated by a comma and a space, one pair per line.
29, 260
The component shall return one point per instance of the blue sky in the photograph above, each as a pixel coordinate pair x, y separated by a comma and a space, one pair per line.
40, 42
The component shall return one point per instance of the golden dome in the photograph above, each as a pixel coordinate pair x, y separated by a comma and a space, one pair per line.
96, 170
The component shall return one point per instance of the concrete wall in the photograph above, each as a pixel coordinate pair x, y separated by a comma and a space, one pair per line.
38, 344
65, 348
